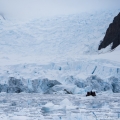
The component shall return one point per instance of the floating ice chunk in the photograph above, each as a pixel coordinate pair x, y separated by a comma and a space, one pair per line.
50, 104
66, 102
51, 107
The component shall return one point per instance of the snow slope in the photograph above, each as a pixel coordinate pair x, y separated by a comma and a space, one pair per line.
63, 35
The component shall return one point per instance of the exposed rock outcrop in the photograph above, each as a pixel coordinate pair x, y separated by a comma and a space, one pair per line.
112, 34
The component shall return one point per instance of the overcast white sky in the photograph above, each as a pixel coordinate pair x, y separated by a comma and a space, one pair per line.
38, 8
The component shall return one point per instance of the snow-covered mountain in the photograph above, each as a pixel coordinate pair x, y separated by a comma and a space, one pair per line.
62, 48
63, 35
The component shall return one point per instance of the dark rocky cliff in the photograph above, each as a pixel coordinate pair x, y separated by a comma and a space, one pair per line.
112, 34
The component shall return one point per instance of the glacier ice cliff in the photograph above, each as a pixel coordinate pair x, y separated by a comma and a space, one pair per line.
46, 86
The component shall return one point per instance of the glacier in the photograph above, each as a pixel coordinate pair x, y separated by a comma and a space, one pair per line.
47, 65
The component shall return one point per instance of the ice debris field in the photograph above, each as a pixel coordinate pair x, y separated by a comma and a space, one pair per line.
48, 65
59, 107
